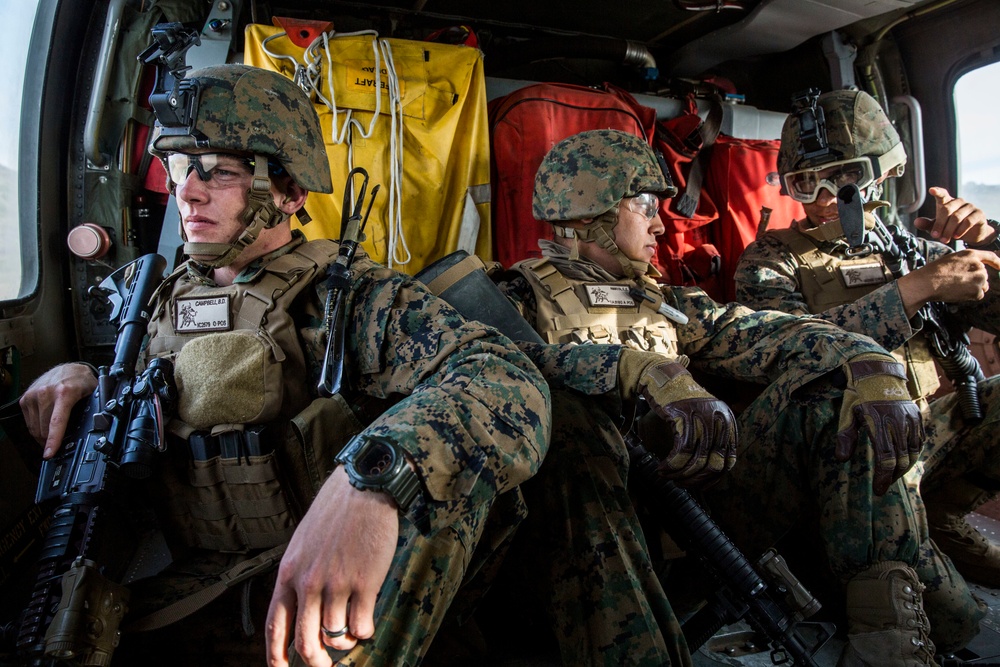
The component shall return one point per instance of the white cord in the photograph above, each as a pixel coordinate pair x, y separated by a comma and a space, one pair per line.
308, 76
399, 251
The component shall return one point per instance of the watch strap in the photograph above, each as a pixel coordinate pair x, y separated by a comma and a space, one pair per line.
404, 488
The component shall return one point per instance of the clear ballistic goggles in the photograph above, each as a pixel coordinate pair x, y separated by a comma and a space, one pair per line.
217, 170
645, 204
804, 185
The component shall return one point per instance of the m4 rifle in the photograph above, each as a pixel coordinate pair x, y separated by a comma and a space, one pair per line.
114, 435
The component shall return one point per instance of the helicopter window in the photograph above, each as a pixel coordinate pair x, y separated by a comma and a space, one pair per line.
16, 278
977, 96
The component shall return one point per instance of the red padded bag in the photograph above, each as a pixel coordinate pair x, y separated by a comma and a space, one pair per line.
737, 182
524, 126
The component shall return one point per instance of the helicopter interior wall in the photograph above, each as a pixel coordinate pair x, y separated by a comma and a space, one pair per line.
765, 80
937, 49
50, 91
933, 50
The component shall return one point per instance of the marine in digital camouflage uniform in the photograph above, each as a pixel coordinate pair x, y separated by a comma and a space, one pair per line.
581, 553
959, 466
601, 190
467, 412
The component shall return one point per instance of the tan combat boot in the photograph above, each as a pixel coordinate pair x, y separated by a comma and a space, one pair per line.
975, 557
886, 623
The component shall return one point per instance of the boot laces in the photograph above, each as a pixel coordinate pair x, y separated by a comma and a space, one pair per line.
923, 647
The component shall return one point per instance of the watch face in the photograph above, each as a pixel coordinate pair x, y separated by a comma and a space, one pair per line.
376, 462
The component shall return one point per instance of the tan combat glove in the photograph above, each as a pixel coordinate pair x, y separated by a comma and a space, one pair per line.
876, 396
700, 443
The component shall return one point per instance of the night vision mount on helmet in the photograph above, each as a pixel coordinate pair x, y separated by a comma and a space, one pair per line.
844, 134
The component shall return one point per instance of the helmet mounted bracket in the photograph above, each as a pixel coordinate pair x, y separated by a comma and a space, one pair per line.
812, 126
174, 99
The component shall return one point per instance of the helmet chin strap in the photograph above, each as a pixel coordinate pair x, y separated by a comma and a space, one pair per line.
260, 213
601, 232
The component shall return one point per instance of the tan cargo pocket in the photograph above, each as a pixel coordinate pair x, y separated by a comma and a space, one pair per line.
233, 377
317, 435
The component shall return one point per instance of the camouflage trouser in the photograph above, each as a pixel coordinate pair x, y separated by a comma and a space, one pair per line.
422, 581
583, 553
954, 450
788, 473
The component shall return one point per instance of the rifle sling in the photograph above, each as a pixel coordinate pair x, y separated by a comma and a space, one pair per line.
174, 612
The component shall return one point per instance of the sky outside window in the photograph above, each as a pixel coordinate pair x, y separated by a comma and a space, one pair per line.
977, 96
19, 15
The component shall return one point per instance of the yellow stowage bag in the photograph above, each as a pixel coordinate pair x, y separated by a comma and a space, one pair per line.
446, 170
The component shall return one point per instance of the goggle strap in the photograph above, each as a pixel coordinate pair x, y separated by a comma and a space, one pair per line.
894, 159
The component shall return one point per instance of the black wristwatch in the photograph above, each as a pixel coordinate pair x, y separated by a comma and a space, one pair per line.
378, 464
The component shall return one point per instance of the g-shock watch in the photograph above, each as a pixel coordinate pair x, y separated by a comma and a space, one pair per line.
378, 464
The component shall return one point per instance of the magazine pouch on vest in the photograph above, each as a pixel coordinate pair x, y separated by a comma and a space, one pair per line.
243, 466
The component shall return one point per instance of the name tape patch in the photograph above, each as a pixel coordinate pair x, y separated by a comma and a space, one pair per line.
616, 296
202, 314
858, 275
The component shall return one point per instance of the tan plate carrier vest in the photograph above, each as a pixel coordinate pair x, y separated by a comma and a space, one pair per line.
250, 502
565, 314
823, 286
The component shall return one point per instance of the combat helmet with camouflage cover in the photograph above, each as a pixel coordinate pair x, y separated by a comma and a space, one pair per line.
588, 173
586, 176
251, 110
856, 130
248, 110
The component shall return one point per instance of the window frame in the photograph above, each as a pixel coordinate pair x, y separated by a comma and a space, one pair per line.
969, 68
28, 137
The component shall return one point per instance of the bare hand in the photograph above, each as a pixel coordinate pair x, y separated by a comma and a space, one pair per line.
955, 218
335, 565
47, 403
956, 277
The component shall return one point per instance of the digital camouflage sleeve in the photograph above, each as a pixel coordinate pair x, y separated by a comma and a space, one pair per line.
589, 369
729, 341
472, 410
767, 276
